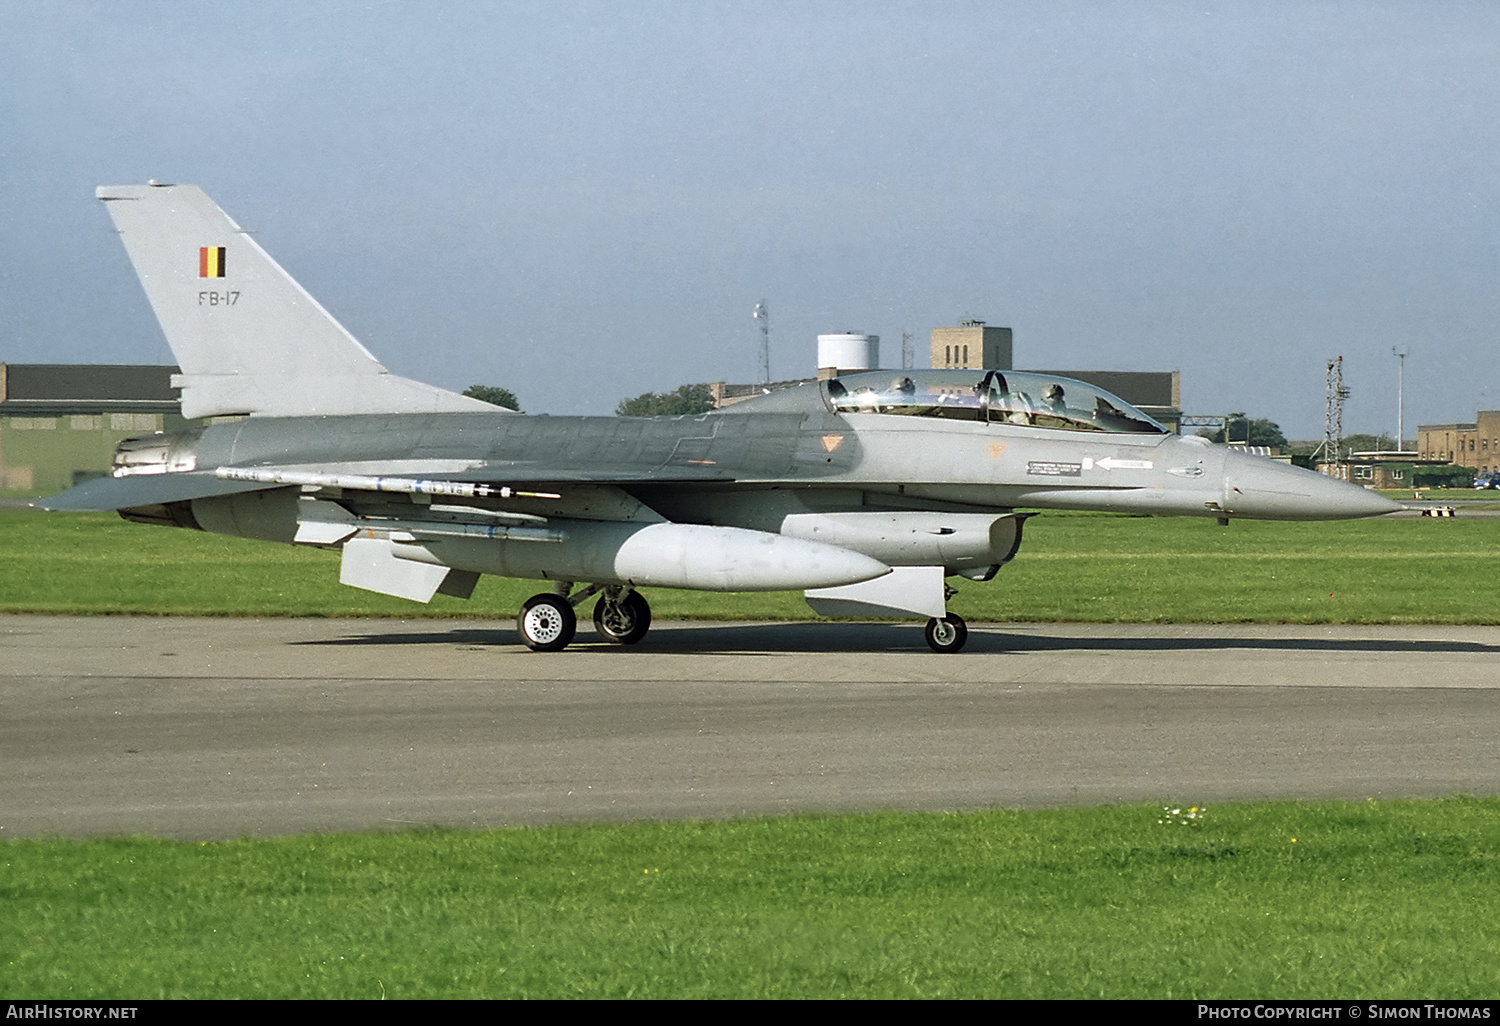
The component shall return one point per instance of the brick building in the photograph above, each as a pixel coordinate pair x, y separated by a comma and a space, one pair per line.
1476, 445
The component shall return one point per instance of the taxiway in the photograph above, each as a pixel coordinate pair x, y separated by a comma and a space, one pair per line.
212, 728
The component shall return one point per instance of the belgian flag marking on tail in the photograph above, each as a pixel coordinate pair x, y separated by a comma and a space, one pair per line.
210, 261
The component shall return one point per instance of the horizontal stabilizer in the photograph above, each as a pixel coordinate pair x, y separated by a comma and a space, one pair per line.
249, 339
110, 493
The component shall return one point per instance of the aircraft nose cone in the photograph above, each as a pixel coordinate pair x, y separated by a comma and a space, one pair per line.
1262, 489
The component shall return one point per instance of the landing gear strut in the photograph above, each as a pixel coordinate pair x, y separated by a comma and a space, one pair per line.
947, 634
622, 619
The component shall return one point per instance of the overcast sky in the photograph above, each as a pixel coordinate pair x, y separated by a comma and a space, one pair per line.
585, 201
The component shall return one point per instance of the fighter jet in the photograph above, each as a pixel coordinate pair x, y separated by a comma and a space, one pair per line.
866, 491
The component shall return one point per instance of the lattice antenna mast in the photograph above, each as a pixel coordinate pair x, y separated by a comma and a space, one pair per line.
908, 354
762, 315
1333, 417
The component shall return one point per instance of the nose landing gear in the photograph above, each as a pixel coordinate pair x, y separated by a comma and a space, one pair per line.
947, 634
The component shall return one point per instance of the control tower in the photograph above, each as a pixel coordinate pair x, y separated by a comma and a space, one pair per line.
971, 344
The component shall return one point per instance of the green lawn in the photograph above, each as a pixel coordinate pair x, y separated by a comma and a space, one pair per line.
1367, 900
1071, 567
1274, 900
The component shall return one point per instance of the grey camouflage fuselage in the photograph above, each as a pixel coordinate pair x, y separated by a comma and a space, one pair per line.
865, 490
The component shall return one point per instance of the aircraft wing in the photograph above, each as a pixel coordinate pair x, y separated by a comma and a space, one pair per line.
113, 493
494, 472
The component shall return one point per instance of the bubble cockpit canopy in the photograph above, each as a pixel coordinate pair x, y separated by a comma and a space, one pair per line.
993, 397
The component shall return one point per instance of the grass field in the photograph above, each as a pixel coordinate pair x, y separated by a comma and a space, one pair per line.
1389, 900
1279, 900
1071, 567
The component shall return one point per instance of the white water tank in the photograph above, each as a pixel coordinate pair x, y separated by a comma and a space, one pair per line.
849, 352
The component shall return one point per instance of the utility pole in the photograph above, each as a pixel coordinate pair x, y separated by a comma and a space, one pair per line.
1400, 355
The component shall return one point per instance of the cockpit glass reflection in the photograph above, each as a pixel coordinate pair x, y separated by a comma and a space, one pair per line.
994, 397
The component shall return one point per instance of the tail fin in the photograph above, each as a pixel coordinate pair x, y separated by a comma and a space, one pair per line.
249, 339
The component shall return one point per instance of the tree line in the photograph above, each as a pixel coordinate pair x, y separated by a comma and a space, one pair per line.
688, 399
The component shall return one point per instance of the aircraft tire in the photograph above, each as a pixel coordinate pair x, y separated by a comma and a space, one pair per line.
624, 622
546, 623
947, 634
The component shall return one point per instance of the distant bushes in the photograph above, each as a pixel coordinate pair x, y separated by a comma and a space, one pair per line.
688, 399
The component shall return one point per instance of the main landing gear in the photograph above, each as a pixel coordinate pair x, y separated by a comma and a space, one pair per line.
622, 619
547, 622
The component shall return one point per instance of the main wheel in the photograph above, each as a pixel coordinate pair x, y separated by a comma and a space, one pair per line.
947, 634
546, 623
624, 622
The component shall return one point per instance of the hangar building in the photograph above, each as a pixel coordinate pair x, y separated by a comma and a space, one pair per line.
60, 423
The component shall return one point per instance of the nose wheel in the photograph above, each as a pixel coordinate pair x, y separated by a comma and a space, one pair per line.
546, 623
947, 634
623, 620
